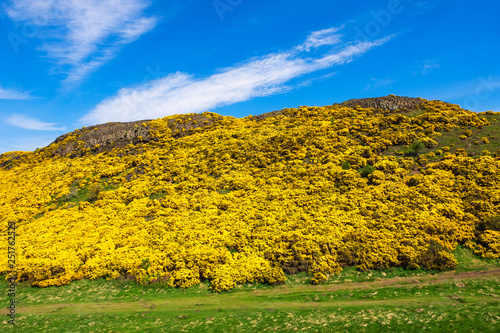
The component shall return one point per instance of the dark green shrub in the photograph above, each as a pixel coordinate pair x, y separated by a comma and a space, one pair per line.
296, 265
437, 257
415, 148
492, 223
366, 170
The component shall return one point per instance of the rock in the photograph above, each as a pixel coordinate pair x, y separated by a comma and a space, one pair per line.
104, 137
390, 102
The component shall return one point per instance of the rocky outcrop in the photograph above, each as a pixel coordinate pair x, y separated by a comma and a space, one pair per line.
390, 102
105, 137
266, 115
102, 137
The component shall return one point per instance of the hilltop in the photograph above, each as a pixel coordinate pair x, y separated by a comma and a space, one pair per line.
105, 137
371, 183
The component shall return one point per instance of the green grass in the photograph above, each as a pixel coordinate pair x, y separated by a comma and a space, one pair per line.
84, 193
463, 306
452, 140
468, 262
453, 137
393, 300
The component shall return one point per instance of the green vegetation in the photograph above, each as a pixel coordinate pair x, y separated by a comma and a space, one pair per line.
392, 300
366, 170
463, 137
337, 218
416, 147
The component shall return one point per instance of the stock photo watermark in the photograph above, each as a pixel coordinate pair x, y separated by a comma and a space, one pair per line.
153, 74
30, 29
11, 257
381, 19
484, 90
223, 6
26, 32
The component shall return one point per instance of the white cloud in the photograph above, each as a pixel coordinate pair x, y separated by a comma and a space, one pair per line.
379, 83
308, 82
82, 35
14, 94
23, 121
426, 66
182, 93
321, 38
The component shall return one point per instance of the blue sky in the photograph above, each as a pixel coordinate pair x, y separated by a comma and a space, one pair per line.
73, 63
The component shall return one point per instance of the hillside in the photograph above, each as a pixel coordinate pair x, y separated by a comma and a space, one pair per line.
373, 183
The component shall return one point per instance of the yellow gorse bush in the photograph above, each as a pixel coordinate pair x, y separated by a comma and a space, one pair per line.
243, 200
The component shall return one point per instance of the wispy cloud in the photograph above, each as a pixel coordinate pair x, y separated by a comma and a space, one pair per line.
308, 82
321, 38
23, 121
183, 93
376, 83
422, 7
426, 66
82, 35
15, 94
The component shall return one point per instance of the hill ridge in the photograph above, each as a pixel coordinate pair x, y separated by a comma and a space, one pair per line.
105, 137
202, 197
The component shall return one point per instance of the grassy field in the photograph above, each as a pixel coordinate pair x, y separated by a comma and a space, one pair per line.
473, 143
396, 300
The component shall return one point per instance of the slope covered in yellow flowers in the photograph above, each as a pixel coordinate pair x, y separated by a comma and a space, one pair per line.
306, 189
